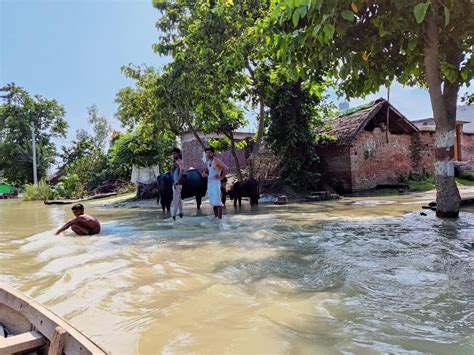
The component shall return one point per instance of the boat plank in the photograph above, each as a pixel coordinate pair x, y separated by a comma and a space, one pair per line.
58, 343
45, 321
21, 343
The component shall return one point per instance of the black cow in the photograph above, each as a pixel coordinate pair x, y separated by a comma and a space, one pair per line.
247, 188
193, 185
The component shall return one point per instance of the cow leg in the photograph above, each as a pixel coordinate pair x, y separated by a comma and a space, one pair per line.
235, 201
240, 201
198, 201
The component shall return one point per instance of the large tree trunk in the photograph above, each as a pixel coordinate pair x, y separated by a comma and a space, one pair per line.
444, 112
258, 142
230, 135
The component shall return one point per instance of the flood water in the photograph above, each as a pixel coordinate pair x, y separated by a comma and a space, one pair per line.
355, 276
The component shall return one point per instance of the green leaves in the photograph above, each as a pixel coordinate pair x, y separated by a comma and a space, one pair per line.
348, 15
411, 44
328, 31
300, 12
420, 11
446, 16
18, 110
449, 71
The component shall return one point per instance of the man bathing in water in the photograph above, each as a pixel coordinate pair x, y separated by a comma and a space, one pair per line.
83, 224
215, 172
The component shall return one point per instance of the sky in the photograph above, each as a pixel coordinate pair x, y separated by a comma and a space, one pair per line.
72, 50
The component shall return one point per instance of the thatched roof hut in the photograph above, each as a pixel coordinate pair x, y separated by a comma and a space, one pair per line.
351, 122
372, 147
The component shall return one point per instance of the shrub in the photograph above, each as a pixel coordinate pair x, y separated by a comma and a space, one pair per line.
67, 186
40, 192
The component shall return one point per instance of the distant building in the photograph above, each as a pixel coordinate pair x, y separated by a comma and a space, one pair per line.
466, 114
464, 140
377, 145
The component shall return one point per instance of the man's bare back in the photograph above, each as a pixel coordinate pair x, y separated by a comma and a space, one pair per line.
83, 224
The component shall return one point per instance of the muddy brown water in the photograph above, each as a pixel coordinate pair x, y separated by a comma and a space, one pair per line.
356, 276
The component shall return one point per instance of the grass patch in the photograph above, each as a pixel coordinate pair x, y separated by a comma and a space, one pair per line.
422, 184
429, 184
464, 182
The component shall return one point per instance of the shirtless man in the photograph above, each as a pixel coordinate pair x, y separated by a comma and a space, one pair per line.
83, 224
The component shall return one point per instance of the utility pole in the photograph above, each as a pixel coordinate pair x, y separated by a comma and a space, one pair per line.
33, 138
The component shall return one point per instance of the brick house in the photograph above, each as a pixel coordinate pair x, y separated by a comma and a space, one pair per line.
373, 147
463, 144
377, 145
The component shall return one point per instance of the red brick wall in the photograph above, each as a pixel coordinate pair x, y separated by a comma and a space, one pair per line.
375, 162
467, 144
336, 166
426, 146
425, 151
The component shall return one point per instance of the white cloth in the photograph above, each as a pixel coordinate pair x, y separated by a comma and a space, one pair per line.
145, 175
213, 185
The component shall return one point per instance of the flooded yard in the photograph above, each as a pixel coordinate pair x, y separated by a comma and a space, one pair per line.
355, 276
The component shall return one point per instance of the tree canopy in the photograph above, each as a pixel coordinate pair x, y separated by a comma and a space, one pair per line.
19, 112
364, 44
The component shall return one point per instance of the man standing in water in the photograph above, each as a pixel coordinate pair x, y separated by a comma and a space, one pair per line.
216, 170
83, 224
177, 170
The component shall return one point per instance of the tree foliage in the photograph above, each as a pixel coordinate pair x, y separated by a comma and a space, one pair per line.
100, 126
18, 112
141, 147
217, 61
292, 134
364, 44
83, 145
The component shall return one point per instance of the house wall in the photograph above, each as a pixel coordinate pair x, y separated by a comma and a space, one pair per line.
336, 166
467, 148
373, 161
426, 149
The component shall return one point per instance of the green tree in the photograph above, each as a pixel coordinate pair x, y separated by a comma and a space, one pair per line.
83, 145
19, 111
218, 56
100, 126
364, 44
144, 146
292, 134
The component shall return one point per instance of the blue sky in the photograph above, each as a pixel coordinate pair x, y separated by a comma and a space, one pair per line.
72, 50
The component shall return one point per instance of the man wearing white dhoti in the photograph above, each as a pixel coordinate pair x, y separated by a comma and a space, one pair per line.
215, 171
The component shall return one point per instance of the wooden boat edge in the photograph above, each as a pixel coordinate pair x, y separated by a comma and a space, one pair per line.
45, 321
